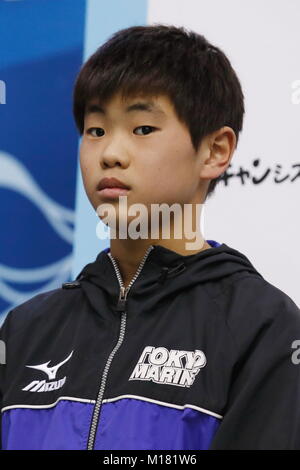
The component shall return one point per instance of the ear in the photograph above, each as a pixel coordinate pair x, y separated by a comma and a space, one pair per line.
217, 152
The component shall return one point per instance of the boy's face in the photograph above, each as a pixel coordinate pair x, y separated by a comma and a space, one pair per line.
149, 151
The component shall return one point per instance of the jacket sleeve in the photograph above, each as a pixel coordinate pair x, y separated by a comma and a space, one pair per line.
2, 366
263, 404
3, 357
1, 384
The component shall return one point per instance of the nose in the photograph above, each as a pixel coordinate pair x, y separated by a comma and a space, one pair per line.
114, 154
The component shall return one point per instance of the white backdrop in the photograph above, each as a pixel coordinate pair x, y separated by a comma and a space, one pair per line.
261, 39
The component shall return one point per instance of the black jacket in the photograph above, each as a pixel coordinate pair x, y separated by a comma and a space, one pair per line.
199, 353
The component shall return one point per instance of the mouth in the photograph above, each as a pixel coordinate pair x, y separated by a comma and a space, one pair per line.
113, 192
112, 188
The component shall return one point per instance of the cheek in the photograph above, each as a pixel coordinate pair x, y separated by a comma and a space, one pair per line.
166, 184
85, 160
87, 173
170, 171
82, 156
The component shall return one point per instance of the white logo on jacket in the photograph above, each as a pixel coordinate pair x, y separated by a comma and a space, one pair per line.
42, 385
174, 367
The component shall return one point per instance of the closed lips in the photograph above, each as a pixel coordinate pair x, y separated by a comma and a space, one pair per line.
111, 183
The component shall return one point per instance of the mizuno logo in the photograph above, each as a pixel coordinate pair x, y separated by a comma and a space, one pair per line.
42, 385
51, 371
174, 367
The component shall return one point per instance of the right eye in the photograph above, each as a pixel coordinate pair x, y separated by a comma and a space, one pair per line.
97, 129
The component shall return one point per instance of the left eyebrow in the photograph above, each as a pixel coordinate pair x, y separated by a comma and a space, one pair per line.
147, 106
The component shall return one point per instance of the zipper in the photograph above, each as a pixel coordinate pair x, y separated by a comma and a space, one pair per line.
121, 307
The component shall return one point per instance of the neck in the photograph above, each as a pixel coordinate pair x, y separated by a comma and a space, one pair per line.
129, 253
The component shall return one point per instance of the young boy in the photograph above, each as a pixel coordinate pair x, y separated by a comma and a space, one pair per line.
158, 343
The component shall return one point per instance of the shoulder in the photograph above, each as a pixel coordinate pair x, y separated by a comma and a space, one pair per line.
250, 292
264, 296
256, 310
37, 308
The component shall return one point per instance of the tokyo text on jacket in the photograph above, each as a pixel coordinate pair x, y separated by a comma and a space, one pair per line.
198, 352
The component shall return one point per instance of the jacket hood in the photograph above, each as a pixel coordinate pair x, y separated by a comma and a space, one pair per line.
164, 272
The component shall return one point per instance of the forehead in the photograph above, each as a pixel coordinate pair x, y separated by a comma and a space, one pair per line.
159, 106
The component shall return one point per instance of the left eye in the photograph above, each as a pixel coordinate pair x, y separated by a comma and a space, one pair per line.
145, 127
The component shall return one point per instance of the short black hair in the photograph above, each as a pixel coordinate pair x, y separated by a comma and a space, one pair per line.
158, 59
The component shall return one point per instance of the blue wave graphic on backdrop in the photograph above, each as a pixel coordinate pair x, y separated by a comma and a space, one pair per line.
41, 55
15, 177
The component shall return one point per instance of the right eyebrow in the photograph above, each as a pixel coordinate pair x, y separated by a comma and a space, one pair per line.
94, 108
147, 106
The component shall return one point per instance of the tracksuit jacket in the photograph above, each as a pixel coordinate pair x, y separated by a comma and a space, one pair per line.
198, 352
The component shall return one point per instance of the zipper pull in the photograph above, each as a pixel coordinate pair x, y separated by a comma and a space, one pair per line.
121, 306
71, 285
